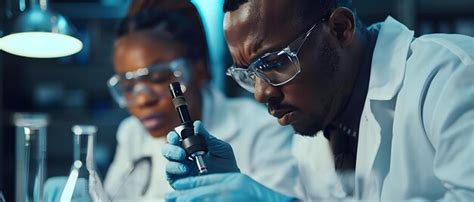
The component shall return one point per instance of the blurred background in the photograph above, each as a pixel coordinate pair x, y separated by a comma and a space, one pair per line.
72, 90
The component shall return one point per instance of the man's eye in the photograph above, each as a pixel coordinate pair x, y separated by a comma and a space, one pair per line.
275, 64
271, 62
269, 66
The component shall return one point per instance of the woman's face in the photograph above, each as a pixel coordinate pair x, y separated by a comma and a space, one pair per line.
138, 50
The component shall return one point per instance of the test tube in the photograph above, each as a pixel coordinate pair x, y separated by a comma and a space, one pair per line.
30, 155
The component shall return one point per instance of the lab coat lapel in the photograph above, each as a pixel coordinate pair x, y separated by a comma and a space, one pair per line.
387, 72
216, 119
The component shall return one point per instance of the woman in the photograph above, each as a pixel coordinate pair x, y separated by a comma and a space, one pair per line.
155, 47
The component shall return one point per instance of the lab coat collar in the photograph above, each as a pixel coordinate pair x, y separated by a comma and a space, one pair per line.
216, 119
389, 59
386, 77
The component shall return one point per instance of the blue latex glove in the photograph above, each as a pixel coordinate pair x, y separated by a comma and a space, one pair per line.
227, 187
220, 157
54, 186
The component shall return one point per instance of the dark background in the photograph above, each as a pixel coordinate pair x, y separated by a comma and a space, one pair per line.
72, 90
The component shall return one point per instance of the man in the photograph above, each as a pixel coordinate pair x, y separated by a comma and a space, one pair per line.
407, 102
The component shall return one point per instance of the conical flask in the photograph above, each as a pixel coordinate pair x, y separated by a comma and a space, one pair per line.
83, 183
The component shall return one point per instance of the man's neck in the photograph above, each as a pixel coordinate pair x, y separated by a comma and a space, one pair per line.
343, 131
350, 116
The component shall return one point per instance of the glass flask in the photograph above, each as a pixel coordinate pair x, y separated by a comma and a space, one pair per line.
30, 157
83, 183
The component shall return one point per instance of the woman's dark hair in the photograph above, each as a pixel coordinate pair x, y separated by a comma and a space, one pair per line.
182, 26
232, 5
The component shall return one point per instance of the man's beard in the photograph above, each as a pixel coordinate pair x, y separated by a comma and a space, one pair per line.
329, 60
307, 133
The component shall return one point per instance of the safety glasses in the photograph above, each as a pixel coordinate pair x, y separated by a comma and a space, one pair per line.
152, 81
276, 68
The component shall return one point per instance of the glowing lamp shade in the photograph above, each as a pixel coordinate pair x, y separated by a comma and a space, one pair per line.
40, 33
40, 44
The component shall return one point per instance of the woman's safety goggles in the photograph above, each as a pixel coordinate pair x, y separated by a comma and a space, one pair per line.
151, 81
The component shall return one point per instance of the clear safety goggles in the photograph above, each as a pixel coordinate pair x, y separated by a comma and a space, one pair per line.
275, 68
152, 81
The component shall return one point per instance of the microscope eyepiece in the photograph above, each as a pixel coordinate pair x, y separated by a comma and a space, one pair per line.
194, 145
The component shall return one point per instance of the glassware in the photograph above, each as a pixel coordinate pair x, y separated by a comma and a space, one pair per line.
30, 155
83, 183
2, 199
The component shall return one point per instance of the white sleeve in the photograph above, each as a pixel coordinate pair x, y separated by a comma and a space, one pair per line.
273, 162
449, 123
122, 160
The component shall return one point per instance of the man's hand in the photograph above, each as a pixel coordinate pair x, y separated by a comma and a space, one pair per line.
219, 159
222, 187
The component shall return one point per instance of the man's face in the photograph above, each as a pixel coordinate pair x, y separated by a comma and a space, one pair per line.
313, 98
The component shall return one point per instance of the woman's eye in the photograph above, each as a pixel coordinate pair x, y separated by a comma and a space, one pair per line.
160, 77
252, 76
127, 86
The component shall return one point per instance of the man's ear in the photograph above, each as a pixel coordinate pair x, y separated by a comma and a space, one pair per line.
342, 25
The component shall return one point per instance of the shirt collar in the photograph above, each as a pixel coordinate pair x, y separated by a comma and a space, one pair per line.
389, 59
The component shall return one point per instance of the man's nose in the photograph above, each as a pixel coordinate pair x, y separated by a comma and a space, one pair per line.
265, 91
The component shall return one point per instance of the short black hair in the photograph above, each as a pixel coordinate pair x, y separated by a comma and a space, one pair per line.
309, 6
317, 9
232, 5
175, 25
309, 9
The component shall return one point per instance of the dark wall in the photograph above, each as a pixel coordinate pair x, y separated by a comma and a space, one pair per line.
2, 147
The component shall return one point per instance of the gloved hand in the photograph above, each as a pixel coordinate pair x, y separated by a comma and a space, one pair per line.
219, 158
54, 187
227, 187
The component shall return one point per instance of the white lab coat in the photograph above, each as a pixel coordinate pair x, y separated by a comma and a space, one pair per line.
261, 146
416, 137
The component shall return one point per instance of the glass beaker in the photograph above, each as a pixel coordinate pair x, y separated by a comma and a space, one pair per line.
30, 155
83, 183
2, 199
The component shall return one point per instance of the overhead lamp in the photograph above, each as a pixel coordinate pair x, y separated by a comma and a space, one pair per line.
41, 33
